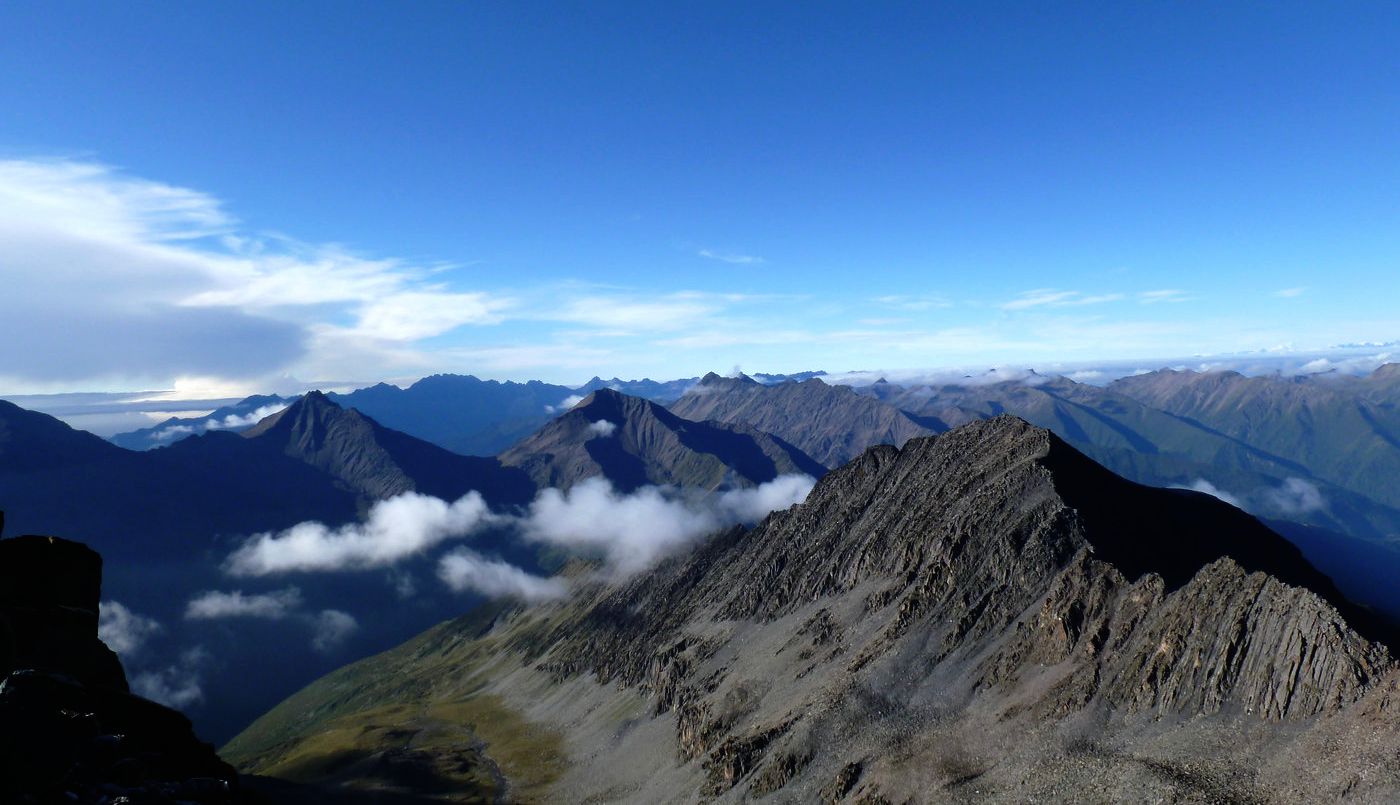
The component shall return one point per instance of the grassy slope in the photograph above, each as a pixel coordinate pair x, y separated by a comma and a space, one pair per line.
413, 718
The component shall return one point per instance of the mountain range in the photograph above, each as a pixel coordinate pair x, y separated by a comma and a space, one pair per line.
832, 424
983, 614
990, 487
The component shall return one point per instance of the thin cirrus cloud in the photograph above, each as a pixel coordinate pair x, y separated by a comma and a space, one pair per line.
1290, 293
733, 258
1166, 295
1051, 298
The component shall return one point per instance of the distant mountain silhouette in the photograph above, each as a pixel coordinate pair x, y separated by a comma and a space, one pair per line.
634, 442
238, 417
312, 461
460, 412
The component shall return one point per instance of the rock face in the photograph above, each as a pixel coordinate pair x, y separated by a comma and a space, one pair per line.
832, 424
985, 614
69, 729
634, 442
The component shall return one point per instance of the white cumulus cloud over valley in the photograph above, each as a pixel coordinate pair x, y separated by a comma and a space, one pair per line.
396, 529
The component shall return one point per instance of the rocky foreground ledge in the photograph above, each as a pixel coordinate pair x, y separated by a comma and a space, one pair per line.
70, 729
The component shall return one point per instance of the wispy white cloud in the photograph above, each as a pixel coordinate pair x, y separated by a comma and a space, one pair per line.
626, 315
731, 257
1290, 293
331, 627
564, 404
179, 685
1165, 295
216, 604
124, 631
912, 303
467, 571
1048, 297
166, 286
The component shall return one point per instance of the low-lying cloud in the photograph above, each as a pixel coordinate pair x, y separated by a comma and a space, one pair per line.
635, 531
564, 404
467, 571
396, 529
630, 532
602, 428
1295, 496
235, 421
1292, 498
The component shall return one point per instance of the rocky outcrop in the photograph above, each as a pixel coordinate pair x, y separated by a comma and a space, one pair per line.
70, 731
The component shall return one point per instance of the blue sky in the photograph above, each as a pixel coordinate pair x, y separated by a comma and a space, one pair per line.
211, 197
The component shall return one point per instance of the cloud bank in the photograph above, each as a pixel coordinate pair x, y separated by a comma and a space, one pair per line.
633, 532
629, 532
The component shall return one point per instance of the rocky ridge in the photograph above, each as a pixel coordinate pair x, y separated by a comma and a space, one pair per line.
982, 614
70, 730
635, 442
832, 424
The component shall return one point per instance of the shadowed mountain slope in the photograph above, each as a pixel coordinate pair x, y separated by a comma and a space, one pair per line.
832, 424
312, 461
376, 462
634, 442
1344, 431
1154, 447
983, 614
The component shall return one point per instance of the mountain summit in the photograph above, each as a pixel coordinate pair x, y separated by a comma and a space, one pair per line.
986, 613
635, 442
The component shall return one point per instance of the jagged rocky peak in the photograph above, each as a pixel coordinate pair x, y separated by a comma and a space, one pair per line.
1167, 599
310, 413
